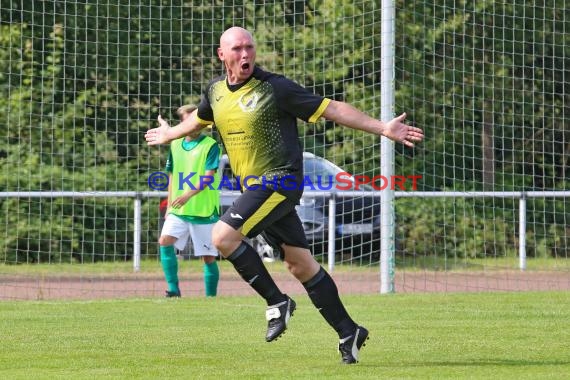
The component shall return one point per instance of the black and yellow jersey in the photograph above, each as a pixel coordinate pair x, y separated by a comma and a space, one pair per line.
257, 122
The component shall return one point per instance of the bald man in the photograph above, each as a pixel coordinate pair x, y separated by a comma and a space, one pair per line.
256, 114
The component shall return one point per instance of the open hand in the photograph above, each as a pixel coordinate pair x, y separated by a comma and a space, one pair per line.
396, 130
156, 136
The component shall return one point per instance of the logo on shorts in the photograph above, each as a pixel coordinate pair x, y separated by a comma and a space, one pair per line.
236, 216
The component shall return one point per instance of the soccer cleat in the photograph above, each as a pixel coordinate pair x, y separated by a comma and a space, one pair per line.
278, 318
169, 294
349, 347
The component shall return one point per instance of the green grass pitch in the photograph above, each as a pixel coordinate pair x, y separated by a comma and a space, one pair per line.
412, 336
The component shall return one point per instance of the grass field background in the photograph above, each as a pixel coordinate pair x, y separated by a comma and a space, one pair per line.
119, 280
434, 263
521, 335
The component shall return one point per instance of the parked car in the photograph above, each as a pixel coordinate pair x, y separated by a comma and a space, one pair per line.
357, 218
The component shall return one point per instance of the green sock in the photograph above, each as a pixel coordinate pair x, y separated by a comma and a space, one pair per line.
211, 278
169, 263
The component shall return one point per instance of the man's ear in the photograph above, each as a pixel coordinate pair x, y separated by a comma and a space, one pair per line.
220, 54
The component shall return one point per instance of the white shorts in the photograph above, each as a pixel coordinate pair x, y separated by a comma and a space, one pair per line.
201, 235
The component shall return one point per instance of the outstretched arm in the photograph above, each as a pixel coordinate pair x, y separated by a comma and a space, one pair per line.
395, 129
164, 134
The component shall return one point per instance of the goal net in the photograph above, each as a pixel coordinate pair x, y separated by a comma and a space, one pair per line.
488, 83
83, 80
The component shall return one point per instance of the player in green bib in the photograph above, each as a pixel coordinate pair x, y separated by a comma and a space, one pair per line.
193, 206
256, 112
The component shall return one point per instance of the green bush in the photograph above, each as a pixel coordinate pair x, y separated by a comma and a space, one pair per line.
453, 228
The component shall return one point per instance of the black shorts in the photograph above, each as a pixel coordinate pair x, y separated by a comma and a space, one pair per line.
267, 212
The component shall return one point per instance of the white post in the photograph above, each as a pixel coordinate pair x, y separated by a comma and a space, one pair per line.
137, 235
387, 148
522, 232
332, 230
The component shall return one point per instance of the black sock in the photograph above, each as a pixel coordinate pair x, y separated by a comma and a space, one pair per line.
324, 294
251, 268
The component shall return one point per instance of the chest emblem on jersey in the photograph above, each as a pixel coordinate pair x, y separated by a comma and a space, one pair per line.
247, 102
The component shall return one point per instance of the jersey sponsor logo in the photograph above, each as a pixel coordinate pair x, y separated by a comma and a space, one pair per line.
248, 103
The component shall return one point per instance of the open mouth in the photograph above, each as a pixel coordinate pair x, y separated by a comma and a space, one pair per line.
245, 66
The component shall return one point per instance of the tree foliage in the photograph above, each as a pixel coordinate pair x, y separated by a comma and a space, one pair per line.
82, 81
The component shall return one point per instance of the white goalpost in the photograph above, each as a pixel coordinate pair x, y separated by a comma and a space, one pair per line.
481, 205
387, 262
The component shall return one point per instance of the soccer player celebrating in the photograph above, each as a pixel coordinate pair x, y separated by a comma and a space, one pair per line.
256, 114
193, 207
